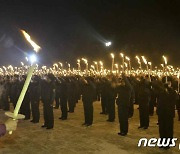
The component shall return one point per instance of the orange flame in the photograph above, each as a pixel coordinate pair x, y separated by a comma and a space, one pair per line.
33, 44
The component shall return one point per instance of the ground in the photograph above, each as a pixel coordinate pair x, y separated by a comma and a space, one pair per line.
70, 137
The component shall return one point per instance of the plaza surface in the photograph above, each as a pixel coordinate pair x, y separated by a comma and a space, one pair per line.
70, 137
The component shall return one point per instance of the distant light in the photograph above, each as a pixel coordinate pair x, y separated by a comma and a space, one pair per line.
33, 58
108, 44
22, 63
112, 55
26, 58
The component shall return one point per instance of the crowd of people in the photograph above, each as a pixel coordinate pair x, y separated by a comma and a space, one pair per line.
149, 93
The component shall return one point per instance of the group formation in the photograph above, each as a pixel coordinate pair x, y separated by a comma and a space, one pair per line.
123, 91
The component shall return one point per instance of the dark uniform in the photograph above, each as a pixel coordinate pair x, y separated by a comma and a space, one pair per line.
88, 97
178, 106
104, 95
14, 91
34, 94
5, 95
144, 98
57, 97
123, 102
132, 99
71, 94
63, 98
166, 111
111, 96
152, 101
48, 96
98, 89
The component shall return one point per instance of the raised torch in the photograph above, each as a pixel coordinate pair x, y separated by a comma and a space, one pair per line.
32, 59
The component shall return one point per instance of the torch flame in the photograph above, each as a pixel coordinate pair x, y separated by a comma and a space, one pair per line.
137, 58
112, 55
101, 63
33, 44
144, 60
116, 65
165, 60
149, 63
127, 58
122, 55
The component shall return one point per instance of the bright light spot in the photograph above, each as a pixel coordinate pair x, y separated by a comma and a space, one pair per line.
112, 55
26, 58
108, 44
33, 58
33, 44
122, 55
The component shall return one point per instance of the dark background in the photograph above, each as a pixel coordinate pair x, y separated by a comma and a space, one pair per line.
69, 29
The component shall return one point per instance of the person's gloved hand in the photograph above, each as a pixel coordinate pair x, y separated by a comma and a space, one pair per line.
11, 124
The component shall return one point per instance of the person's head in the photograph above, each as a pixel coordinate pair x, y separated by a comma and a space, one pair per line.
168, 84
121, 82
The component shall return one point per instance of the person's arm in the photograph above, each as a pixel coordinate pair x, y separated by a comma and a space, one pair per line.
2, 129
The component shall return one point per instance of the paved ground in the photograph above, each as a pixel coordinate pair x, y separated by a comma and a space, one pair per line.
69, 137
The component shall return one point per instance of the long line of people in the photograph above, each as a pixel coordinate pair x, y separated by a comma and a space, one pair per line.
124, 91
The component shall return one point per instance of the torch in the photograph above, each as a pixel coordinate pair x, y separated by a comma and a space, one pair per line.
150, 64
122, 55
139, 61
86, 62
79, 64
165, 65
112, 55
178, 76
69, 67
116, 66
15, 115
61, 64
146, 63
101, 64
95, 62
129, 62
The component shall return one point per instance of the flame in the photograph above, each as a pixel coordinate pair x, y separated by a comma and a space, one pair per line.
127, 58
85, 60
33, 44
116, 65
165, 60
149, 63
101, 63
122, 55
137, 58
144, 60
112, 55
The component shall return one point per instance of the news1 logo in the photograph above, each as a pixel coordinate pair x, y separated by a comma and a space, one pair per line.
160, 142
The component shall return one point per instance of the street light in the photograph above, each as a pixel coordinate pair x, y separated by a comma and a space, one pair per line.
108, 44
33, 58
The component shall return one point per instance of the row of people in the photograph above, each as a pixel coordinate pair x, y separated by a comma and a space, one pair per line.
124, 91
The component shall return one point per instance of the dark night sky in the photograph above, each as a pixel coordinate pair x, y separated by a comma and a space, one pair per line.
69, 29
